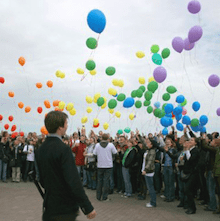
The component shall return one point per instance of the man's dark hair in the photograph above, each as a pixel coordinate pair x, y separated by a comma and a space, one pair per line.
105, 137
54, 120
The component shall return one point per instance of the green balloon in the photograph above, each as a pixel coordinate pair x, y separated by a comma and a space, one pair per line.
194, 122
143, 88
165, 53
100, 101
121, 97
184, 103
152, 86
154, 48
148, 95
91, 43
162, 114
171, 89
133, 93
157, 59
90, 65
139, 93
120, 131
138, 104
112, 104
149, 110
147, 103
164, 106
127, 130
110, 71
157, 112
166, 97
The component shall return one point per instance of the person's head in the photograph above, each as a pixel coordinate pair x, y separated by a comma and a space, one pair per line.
16, 142
215, 135
130, 143
75, 135
193, 142
56, 122
186, 145
30, 141
100, 133
92, 140
168, 142
215, 142
5, 134
150, 135
182, 140
209, 138
151, 143
121, 139
82, 138
105, 137
140, 145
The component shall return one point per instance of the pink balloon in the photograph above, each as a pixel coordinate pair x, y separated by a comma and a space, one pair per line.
214, 80
194, 7
187, 45
178, 44
195, 33
184, 112
160, 74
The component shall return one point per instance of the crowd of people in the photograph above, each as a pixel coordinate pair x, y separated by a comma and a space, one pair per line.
169, 167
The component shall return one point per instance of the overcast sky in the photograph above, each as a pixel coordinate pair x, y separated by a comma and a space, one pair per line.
51, 35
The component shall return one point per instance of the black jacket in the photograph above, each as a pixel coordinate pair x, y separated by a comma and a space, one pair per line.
18, 161
4, 148
59, 177
191, 164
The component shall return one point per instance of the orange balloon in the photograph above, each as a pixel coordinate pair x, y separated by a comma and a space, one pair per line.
11, 94
47, 104
43, 130
58, 109
50, 83
21, 61
39, 85
56, 103
27, 109
20, 105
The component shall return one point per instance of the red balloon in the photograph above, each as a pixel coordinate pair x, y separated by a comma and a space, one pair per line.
95, 126
13, 128
11, 118
39, 110
6, 126
1, 117
21, 133
173, 116
14, 135
2, 80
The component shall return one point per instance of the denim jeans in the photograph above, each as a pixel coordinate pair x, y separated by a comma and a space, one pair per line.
103, 183
127, 181
150, 186
79, 168
91, 179
183, 198
169, 191
29, 166
157, 177
3, 170
112, 183
120, 180
211, 189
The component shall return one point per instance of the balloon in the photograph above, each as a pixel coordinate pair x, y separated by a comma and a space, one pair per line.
39, 85
50, 84
127, 130
138, 104
20, 105
140, 54
142, 87
157, 59
6, 126
62, 75
148, 95
154, 48
11, 94
165, 131
164, 121
39, 110
88, 109
89, 99
84, 120
186, 120
13, 128
157, 112
203, 120
203, 130
69, 106
170, 115
118, 114
96, 126
72, 112
58, 73
139, 93
194, 122
194, 7
56, 103
93, 72
112, 104
179, 127
105, 126
115, 82
21, 61
180, 99
104, 105
100, 101
195, 33
218, 111
152, 86
196, 106
133, 94
121, 97
141, 80
43, 130
110, 71
178, 117
120, 132
162, 114
91, 43
214, 80
170, 121
111, 111
150, 79
96, 20
160, 74
168, 108
47, 104
157, 104
61, 105
131, 116
177, 110
184, 103
147, 103
128, 102
10, 118
171, 89
95, 121
80, 71
21, 133
1, 117
166, 97
90, 65
178, 44
149, 109
187, 45
120, 83
112, 91
96, 97
27, 109
184, 112
2, 80
165, 53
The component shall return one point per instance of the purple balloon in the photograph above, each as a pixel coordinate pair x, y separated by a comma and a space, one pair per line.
195, 33
178, 44
218, 111
160, 74
194, 7
187, 45
214, 80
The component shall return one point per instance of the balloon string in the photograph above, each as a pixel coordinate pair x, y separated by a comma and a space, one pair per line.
211, 103
207, 87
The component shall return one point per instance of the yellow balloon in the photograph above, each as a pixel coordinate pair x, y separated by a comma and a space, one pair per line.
120, 83
140, 54
131, 116
151, 79
111, 111
141, 80
89, 99
62, 75
96, 97
58, 73
73, 111
69, 106
84, 120
96, 121
80, 71
105, 125
112, 91
61, 105
118, 114
89, 109
104, 106
115, 82
93, 72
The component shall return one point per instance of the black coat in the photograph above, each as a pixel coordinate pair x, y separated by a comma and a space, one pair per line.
60, 179
191, 164
18, 161
4, 148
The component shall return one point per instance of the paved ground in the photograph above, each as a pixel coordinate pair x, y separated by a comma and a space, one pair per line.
22, 202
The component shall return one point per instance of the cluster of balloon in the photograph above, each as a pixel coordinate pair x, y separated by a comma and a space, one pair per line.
118, 82
126, 130
157, 58
2, 80
194, 34
60, 74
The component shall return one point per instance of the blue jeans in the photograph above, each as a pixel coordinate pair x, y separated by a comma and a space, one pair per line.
103, 183
211, 189
3, 170
127, 181
91, 179
112, 183
79, 168
157, 177
120, 181
183, 197
150, 186
169, 191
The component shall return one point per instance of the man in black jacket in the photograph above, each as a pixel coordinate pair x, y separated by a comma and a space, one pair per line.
64, 193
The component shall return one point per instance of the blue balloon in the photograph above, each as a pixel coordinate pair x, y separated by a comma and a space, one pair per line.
169, 115
178, 117
164, 121
195, 129
180, 99
203, 120
168, 109
165, 131
196, 106
96, 20
157, 59
115, 95
179, 127
203, 129
128, 102
177, 110
170, 121
186, 120
157, 104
